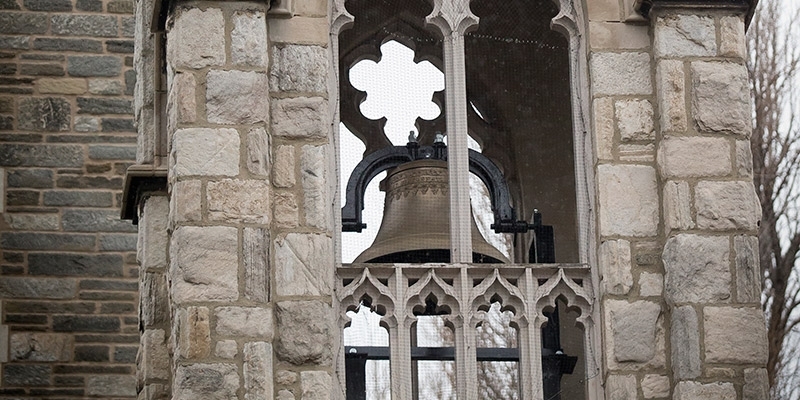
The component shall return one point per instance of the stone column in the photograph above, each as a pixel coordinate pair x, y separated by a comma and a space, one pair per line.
717, 336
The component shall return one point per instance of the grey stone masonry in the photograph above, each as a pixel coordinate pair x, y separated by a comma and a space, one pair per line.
68, 274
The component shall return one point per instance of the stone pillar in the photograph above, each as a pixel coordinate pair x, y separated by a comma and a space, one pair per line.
717, 336
251, 258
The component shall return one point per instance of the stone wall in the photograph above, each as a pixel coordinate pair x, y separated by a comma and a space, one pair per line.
68, 278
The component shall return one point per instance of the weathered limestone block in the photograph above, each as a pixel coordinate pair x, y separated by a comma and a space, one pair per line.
628, 200
206, 381
727, 205
284, 394
244, 321
226, 349
152, 243
732, 37
304, 265
635, 120
671, 82
255, 255
234, 200
258, 149
249, 39
697, 269
283, 173
693, 157
153, 299
154, 355
316, 199
286, 378
621, 387
621, 74
197, 38
186, 202
724, 341
299, 30
685, 36
316, 385
299, 69
616, 36
203, 151
688, 390
35, 346
194, 332
744, 159
615, 264
654, 386
300, 117
651, 284
604, 127
304, 332
678, 206
237, 97
756, 384
286, 210
685, 339
721, 97
182, 104
748, 279
633, 327
258, 371
204, 264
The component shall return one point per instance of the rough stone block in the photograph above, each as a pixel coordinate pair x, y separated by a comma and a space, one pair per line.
299, 69
744, 159
756, 384
104, 152
26, 375
154, 301
37, 288
258, 371
299, 30
237, 97
202, 151
24, 23
106, 87
628, 200
33, 222
204, 264
206, 381
30, 178
80, 323
226, 349
61, 85
316, 186
84, 25
633, 327
235, 200
94, 66
604, 127
46, 241
88, 105
258, 151
244, 321
678, 206
732, 37
255, 257
284, 394
249, 39
152, 250
694, 157
612, 36
621, 74
685, 36
655, 386
671, 82
194, 333
685, 336
40, 155
621, 387
724, 341
35, 346
748, 276
689, 390
283, 173
71, 198
316, 385
721, 97
304, 265
47, 114
75, 264
182, 102
285, 210
697, 269
304, 332
197, 38
635, 120
615, 264
651, 284
155, 355
300, 117
94, 220
186, 201
727, 205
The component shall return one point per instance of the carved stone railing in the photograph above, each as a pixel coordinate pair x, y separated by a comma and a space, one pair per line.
465, 290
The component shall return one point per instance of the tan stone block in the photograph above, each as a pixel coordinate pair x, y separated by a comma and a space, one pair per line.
615, 266
316, 385
732, 42
735, 335
40, 347
183, 99
678, 206
194, 332
299, 30
694, 157
628, 200
301, 117
286, 212
206, 381
197, 38
671, 81
744, 159
154, 355
614, 35
258, 382
237, 97
604, 10
655, 386
688, 390
756, 384
637, 153
727, 205
61, 85
186, 200
621, 387
204, 264
244, 321
604, 127
152, 243
249, 39
226, 349
204, 152
621, 73
283, 173
651, 284
311, 8
234, 200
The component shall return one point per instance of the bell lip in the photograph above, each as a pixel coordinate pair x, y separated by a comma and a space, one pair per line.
429, 242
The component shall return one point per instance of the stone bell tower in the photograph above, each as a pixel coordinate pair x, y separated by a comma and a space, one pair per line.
237, 108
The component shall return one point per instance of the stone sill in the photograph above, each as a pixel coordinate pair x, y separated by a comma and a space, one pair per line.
140, 180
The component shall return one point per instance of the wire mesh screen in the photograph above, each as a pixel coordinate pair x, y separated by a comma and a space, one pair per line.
519, 116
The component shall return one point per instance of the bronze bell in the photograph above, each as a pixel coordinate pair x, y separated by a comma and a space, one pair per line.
416, 219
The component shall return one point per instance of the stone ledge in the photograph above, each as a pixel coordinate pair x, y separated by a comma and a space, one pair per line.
140, 180
644, 7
